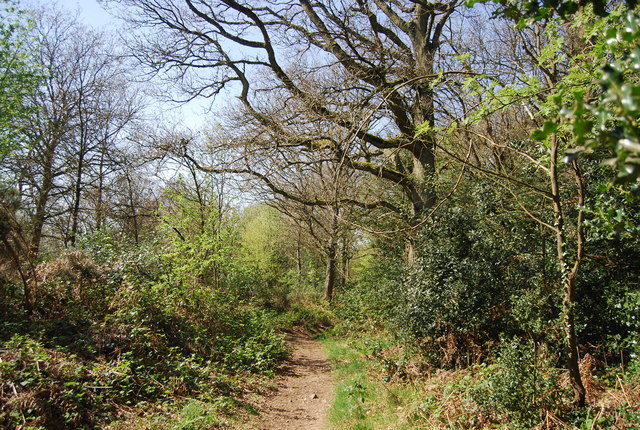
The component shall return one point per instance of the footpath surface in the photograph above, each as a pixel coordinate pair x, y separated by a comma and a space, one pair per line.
304, 390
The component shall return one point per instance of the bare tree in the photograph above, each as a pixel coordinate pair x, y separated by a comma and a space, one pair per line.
325, 227
367, 67
83, 107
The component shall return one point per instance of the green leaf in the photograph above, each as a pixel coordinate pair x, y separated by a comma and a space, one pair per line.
548, 129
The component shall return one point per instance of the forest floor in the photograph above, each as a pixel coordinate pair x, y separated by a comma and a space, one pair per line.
304, 389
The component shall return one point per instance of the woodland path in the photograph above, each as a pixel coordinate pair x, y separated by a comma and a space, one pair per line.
304, 389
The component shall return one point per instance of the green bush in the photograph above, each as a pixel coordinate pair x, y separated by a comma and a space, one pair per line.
43, 388
312, 317
520, 387
464, 292
11, 297
257, 349
608, 312
126, 325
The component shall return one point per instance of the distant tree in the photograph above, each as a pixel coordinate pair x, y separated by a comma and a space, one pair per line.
325, 228
82, 106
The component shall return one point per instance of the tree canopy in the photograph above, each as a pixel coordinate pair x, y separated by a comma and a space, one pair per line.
19, 73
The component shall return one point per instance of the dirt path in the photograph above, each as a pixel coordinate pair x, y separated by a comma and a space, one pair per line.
304, 391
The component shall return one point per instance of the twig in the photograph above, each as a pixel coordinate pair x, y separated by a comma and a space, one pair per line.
595, 420
624, 392
556, 420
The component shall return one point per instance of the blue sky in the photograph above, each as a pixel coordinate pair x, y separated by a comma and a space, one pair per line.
91, 13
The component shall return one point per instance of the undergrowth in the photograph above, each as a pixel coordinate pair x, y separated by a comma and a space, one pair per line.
131, 341
308, 316
382, 385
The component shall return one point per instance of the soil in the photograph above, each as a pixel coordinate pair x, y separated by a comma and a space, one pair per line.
304, 389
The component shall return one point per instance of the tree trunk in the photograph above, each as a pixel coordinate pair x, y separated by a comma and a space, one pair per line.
27, 301
332, 256
330, 274
425, 40
299, 255
410, 250
569, 274
132, 205
41, 204
345, 263
99, 203
75, 212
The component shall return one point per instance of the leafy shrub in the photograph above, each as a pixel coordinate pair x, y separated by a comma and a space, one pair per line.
305, 287
210, 324
608, 312
150, 348
10, 296
53, 388
257, 349
520, 387
125, 326
73, 286
310, 316
43, 388
461, 295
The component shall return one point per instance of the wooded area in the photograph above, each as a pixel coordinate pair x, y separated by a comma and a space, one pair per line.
450, 186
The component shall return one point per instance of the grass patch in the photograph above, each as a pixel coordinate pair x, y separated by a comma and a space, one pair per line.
364, 398
382, 386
